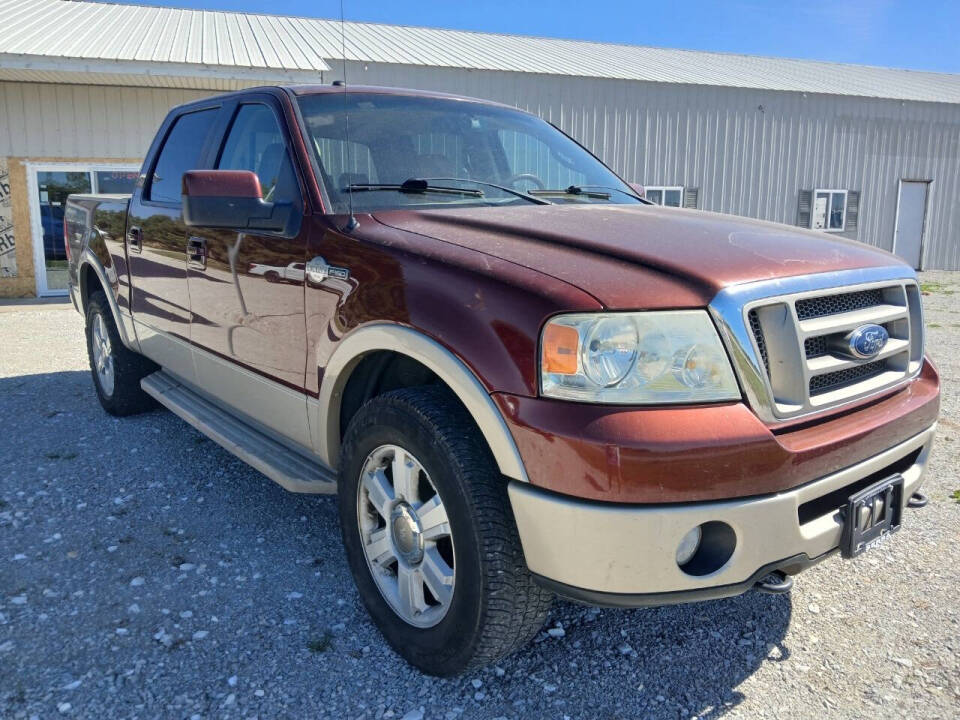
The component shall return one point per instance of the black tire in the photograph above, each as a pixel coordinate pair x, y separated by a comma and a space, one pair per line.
129, 368
272, 276
496, 607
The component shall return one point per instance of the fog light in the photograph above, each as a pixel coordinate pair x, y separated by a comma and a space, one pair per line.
688, 546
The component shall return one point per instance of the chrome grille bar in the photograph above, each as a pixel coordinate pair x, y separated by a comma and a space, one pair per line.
785, 338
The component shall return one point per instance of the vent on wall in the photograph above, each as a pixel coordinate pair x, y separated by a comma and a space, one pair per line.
803, 208
853, 210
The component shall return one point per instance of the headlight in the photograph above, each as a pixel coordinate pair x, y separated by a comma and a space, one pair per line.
636, 358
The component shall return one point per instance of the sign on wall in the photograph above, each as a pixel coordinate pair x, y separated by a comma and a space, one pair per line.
8, 247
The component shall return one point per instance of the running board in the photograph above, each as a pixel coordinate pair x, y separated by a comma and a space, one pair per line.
284, 466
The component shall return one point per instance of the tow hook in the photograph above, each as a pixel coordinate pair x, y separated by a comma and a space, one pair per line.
775, 583
918, 500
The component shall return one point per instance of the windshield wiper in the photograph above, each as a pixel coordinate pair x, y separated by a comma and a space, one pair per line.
413, 186
628, 193
575, 190
511, 191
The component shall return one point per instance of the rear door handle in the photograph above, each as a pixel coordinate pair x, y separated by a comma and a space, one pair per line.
135, 240
197, 253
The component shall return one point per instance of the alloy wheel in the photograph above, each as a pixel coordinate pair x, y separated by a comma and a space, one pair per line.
102, 354
406, 536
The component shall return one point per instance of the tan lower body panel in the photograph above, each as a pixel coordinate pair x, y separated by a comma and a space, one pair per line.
632, 548
277, 408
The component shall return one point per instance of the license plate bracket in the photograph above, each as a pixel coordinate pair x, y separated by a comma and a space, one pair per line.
871, 515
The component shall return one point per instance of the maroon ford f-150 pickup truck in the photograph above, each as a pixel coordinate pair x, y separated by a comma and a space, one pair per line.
519, 377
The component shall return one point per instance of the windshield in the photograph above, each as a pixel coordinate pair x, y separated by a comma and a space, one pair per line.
394, 151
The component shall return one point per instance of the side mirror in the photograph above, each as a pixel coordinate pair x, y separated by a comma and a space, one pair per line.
638, 189
230, 199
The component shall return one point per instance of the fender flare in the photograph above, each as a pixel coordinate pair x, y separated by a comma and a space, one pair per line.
123, 322
325, 418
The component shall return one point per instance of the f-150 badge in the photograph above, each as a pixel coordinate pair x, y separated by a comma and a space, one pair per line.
318, 271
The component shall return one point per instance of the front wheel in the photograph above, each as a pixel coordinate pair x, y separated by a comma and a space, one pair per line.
430, 535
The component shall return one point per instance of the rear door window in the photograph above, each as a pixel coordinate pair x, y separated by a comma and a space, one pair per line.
180, 153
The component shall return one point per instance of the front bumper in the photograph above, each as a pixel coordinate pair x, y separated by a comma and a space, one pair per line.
625, 555
680, 454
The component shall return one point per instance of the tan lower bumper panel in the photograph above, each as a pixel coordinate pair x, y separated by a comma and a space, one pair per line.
787, 566
614, 554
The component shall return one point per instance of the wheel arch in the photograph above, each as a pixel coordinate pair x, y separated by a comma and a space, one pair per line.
90, 268
444, 364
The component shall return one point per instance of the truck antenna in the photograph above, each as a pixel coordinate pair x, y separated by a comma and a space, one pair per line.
352, 221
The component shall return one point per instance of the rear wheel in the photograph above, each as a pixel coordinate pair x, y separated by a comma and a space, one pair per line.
430, 535
117, 371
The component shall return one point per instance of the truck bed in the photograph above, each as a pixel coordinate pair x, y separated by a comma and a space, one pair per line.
105, 213
98, 223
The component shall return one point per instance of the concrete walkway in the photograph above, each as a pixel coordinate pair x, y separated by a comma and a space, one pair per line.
48, 303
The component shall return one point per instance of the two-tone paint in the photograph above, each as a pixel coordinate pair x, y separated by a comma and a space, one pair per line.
465, 293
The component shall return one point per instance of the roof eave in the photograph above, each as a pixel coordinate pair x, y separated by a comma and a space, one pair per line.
73, 69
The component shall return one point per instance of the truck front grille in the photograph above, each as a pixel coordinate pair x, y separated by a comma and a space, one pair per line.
801, 351
815, 346
833, 304
842, 378
758, 336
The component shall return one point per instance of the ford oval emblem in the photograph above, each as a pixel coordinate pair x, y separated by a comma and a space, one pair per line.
867, 341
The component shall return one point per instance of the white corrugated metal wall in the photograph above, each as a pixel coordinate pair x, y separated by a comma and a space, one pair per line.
40, 120
749, 152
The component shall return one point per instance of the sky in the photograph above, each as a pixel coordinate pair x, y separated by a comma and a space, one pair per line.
921, 35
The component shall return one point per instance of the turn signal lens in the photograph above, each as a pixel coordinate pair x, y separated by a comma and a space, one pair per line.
560, 345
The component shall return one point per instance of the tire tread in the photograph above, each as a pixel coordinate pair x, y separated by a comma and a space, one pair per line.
515, 606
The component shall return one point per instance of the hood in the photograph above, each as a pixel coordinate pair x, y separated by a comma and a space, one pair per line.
601, 248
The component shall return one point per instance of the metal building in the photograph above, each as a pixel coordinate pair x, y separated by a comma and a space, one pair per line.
869, 153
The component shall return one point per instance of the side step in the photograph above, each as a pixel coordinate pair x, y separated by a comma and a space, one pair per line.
284, 466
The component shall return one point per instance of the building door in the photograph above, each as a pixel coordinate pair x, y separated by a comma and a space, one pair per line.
911, 215
49, 187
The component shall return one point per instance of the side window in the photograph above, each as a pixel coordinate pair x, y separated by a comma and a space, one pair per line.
830, 210
255, 143
670, 196
180, 153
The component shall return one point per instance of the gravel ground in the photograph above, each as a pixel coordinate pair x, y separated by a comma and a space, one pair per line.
144, 572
